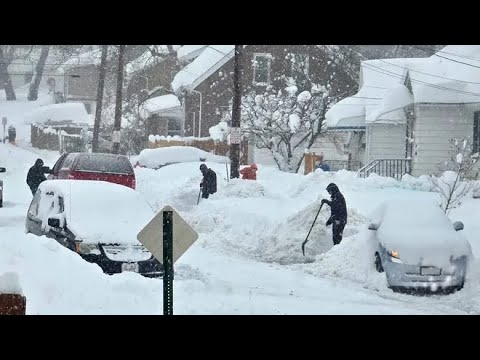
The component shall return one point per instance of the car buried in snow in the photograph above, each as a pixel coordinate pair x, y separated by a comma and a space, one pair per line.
418, 247
96, 219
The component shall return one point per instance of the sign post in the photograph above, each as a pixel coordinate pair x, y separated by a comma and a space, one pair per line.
4, 123
167, 236
168, 263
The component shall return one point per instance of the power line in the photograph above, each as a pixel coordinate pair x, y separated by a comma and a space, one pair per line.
460, 62
429, 74
450, 53
400, 76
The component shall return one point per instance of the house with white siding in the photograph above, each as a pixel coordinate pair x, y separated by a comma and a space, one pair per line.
407, 110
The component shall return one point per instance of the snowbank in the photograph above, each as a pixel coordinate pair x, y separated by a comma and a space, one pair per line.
9, 284
154, 158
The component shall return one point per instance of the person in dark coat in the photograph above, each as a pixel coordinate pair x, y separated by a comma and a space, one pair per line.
338, 216
209, 182
36, 175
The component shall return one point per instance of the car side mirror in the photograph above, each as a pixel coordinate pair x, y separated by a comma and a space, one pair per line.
373, 226
458, 225
2, 169
54, 222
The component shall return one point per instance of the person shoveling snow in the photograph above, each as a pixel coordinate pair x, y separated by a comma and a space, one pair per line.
338, 215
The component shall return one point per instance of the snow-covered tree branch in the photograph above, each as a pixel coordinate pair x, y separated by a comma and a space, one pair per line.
287, 121
453, 183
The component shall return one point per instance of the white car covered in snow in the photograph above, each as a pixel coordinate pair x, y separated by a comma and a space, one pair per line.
96, 219
157, 158
418, 247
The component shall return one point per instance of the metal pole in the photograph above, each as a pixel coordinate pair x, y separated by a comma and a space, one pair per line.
118, 102
236, 113
168, 263
98, 110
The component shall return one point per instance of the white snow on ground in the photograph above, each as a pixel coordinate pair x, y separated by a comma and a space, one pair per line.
248, 257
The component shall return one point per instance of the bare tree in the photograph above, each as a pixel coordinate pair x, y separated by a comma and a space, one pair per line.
101, 85
33, 90
452, 182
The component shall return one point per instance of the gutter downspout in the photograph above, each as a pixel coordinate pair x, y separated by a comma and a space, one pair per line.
199, 114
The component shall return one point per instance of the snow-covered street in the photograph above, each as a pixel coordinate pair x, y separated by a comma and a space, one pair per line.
248, 257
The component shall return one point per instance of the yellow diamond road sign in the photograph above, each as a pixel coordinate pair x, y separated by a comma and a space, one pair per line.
151, 236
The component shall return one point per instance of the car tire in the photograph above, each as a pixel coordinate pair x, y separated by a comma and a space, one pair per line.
378, 263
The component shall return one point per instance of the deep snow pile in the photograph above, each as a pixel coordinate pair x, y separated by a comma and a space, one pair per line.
283, 243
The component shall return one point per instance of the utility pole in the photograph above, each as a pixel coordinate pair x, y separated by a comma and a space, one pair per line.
235, 133
118, 102
101, 86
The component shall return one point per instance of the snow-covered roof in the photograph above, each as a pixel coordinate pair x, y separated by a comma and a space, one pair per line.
70, 111
209, 61
87, 58
165, 105
147, 59
452, 75
189, 52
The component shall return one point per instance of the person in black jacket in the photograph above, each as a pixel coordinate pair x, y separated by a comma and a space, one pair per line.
36, 175
209, 182
338, 216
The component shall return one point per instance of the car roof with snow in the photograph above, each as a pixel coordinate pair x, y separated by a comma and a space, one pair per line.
98, 211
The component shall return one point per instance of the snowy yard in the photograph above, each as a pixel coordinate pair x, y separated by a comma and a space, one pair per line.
248, 257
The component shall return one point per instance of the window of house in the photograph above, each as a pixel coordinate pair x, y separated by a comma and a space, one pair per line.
261, 69
476, 132
174, 127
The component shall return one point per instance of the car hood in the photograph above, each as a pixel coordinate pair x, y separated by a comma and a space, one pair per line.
425, 246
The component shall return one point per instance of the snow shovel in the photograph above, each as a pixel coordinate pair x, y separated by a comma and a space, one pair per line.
306, 239
199, 193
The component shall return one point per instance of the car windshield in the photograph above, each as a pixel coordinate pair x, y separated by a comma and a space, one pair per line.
104, 164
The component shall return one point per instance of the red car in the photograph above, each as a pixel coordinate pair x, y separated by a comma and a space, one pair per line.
112, 168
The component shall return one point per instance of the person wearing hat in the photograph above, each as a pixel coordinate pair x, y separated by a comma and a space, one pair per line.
209, 182
338, 212
249, 172
36, 175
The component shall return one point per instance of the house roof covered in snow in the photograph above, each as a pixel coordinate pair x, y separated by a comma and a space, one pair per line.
147, 59
165, 105
61, 113
452, 75
189, 52
210, 60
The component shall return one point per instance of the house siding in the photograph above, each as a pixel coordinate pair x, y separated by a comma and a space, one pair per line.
435, 126
217, 89
385, 141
